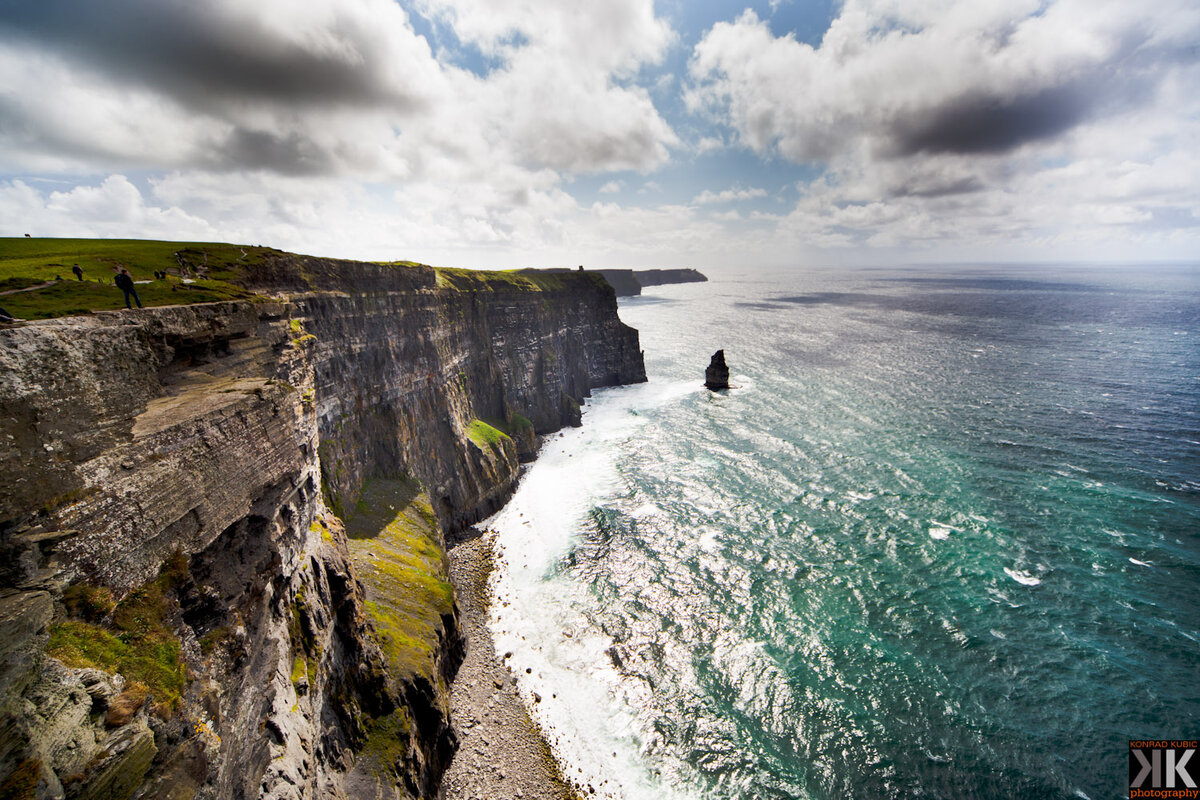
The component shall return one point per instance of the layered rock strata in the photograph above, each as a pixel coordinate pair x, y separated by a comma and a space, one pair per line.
181, 608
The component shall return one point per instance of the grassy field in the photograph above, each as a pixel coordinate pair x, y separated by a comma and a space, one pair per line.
36, 281
46, 264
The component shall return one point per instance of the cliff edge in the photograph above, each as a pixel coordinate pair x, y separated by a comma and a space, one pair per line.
222, 525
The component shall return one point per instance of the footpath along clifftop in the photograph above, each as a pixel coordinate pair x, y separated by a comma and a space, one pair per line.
223, 524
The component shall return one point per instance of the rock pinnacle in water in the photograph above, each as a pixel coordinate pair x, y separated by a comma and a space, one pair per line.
717, 375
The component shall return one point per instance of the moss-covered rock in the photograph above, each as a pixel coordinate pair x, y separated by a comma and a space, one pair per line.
138, 643
117, 771
485, 436
395, 545
396, 548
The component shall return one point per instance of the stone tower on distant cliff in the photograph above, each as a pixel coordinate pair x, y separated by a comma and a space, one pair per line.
717, 375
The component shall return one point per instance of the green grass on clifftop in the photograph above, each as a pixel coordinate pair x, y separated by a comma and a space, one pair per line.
36, 281
509, 280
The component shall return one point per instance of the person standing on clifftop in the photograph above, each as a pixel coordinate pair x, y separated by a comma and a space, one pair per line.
125, 283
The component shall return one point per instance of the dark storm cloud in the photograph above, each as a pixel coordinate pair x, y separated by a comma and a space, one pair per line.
987, 122
200, 54
978, 123
284, 154
961, 86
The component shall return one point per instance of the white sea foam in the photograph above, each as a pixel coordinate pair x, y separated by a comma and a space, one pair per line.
942, 530
644, 510
1022, 577
592, 715
1139, 563
708, 540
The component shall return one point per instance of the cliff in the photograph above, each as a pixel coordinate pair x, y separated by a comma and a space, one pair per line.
623, 281
222, 524
660, 277
630, 282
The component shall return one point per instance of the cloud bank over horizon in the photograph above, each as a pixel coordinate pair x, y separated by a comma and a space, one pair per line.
626, 133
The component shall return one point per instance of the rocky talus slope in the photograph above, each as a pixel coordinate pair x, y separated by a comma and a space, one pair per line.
222, 567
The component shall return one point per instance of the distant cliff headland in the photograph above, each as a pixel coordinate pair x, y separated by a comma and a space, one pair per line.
630, 282
222, 517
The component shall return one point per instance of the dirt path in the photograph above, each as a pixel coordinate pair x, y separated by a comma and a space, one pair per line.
30, 288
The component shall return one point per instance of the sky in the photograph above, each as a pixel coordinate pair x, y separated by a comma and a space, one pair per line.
615, 133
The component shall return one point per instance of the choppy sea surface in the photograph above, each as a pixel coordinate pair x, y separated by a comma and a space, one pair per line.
943, 541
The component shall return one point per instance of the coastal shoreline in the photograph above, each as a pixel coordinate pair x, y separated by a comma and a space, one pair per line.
501, 751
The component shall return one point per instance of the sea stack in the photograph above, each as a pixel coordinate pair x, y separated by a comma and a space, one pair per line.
717, 375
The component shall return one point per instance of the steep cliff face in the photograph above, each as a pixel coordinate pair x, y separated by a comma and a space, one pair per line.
624, 281
661, 277
630, 282
181, 608
400, 377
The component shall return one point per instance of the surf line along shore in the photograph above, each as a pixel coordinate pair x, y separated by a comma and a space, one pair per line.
501, 751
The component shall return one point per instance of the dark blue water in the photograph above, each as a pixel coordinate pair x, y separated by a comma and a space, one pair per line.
944, 542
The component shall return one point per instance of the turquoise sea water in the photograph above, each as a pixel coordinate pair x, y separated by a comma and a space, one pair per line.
943, 542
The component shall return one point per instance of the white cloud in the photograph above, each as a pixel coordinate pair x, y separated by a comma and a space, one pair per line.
616, 36
558, 100
728, 196
903, 77
332, 127
113, 208
330, 87
994, 123
327, 126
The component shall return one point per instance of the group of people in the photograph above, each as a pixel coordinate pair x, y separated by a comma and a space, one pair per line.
122, 280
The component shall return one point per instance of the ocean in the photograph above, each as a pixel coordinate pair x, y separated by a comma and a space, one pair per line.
943, 540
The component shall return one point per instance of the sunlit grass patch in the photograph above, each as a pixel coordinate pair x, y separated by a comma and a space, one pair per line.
26, 263
396, 547
137, 642
485, 436
510, 279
